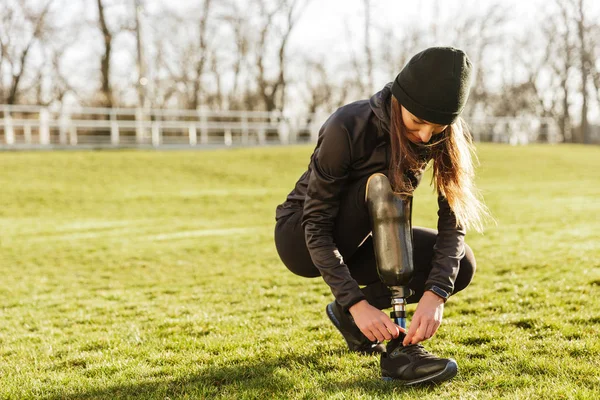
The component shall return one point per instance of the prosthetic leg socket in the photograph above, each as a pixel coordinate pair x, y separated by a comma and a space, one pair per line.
391, 215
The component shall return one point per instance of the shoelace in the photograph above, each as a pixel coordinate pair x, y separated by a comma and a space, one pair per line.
416, 350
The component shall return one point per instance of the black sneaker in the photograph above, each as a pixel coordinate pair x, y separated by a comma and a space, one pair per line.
355, 339
412, 365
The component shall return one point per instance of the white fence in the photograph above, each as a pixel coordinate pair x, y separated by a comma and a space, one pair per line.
46, 127
515, 130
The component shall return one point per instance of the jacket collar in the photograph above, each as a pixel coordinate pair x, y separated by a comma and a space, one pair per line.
381, 105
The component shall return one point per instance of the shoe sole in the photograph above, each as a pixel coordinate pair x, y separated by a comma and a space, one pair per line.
447, 373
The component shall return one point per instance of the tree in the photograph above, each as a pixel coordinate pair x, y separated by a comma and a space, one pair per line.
202, 57
595, 60
52, 81
573, 51
321, 93
561, 63
272, 90
107, 35
142, 81
20, 17
239, 25
184, 53
479, 35
585, 66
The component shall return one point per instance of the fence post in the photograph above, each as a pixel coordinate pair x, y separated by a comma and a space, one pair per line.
227, 137
44, 127
63, 125
156, 139
294, 129
498, 130
9, 131
72, 134
203, 128
114, 129
262, 137
513, 138
193, 134
139, 126
283, 131
245, 128
27, 132
553, 131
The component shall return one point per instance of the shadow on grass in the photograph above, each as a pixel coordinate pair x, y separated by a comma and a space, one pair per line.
269, 377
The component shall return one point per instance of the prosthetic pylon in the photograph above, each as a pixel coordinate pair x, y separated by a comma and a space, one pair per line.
391, 215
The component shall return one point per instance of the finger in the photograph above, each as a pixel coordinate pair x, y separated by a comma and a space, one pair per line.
418, 337
380, 328
369, 335
378, 334
412, 329
409, 336
420, 333
384, 332
391, 327
401, 329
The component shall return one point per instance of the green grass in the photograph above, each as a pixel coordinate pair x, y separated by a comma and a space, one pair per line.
154, 275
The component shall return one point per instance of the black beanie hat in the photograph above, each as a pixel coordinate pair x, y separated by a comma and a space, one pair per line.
434, 85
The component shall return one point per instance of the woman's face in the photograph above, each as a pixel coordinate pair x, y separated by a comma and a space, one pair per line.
417, 130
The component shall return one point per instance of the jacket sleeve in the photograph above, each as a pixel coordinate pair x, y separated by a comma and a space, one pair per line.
329, 164
448, 250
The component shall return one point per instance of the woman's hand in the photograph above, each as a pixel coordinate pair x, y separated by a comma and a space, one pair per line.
373, 323
426, 320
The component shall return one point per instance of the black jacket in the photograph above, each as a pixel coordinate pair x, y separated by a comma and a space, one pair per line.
354, 144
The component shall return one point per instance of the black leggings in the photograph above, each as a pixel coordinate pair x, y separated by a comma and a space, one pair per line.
352, 237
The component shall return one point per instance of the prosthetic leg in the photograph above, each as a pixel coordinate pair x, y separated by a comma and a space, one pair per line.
391, 216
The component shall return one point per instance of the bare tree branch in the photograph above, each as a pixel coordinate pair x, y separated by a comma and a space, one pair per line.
38, 20
203, 54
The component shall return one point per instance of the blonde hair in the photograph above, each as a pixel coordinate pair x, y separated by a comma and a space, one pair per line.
453, 170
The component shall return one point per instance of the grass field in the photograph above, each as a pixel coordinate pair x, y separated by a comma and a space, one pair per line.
154, 275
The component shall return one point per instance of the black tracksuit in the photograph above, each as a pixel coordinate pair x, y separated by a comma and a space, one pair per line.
323, 226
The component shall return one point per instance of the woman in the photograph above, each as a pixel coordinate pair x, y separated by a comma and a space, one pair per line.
323, 227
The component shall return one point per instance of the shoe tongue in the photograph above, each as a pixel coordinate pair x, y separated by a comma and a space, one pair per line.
397, 342
394, 344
